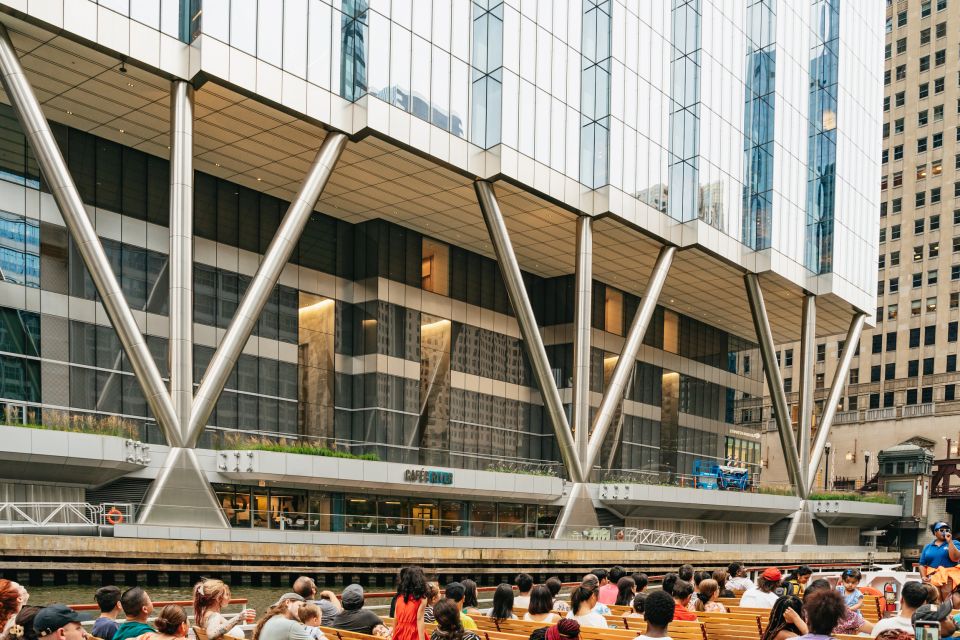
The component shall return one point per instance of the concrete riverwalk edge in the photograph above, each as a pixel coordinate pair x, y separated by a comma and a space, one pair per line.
27, 552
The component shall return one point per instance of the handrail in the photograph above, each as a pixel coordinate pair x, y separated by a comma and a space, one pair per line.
157, 604
59, 514
669, 539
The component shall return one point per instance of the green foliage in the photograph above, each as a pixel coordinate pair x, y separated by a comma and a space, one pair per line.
853, 496
306, 449
502, 467
776, 490
82, 423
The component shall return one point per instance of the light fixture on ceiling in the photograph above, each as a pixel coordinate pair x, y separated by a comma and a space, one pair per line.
121, 131
259, 179
69, 113
129, 84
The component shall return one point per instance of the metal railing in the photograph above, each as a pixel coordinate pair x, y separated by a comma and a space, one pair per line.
657, 478
233, 440
59, 514
668, 539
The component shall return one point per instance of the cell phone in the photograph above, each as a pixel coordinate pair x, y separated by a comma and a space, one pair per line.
927, 630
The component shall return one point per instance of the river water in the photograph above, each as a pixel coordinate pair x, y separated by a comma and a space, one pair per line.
260, 598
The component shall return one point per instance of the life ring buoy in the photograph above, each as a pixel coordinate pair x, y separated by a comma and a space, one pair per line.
114, 516
620, 535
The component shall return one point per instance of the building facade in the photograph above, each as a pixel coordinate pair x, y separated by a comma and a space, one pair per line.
646, 160
903, 383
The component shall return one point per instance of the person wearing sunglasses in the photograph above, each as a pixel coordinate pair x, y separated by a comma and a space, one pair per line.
939, 560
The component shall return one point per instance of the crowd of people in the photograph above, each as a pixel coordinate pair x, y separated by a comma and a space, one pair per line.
799, 608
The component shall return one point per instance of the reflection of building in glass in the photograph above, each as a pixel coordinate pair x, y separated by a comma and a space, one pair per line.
822, 147
656, 196
353, 60
758, 123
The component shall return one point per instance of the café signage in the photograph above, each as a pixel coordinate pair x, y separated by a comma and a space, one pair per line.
428, 477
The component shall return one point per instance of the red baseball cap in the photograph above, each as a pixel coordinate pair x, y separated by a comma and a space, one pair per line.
772, 573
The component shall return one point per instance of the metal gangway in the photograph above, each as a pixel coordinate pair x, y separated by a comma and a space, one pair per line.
666, 539
38, 515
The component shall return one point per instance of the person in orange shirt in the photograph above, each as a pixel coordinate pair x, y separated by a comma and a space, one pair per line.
608, 591
682, 590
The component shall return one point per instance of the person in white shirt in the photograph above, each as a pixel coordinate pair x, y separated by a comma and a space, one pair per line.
658, 610
911, 597
524, 583
764, 596
738, 580
582, 601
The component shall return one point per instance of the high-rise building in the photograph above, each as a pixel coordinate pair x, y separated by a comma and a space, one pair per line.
902, 385
505, 252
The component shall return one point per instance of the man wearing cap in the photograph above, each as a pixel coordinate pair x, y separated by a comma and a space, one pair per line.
354, 617
58, 622
765, 594
286, 625
938, 562
939, 613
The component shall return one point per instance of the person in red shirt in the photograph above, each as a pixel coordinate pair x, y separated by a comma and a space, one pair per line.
608, 591
682, 590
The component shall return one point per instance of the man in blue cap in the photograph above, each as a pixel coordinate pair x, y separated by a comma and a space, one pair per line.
58, 622
939, 560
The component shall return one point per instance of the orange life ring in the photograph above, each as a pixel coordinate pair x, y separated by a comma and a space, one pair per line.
114, 516
620, 535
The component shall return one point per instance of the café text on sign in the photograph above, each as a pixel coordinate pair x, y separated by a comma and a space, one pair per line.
428, 477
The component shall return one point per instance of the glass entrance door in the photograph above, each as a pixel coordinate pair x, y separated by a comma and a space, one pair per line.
424, 518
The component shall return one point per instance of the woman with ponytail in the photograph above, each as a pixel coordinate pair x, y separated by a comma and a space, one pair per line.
582, 601
209, 598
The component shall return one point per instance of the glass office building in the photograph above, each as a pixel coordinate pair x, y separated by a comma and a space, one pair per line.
746, 135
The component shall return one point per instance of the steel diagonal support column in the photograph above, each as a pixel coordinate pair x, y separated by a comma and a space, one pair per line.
626, 363
833, 397
513, 280
65, 194
181, 250
771, 370
274, 260
808, 331
582, 308
181, 493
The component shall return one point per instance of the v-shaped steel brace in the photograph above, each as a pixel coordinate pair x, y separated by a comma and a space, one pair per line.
580, 453
181, 493
801, 459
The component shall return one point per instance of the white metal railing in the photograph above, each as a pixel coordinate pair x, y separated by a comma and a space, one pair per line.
668, 539
58, 514
916, 410
887, 413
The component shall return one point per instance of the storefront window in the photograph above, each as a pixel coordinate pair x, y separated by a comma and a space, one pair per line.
483, 519
511, 520
390, 516
452, 517
235, 502
360, 514
424, 517
301, 510
320, 517
546, 520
